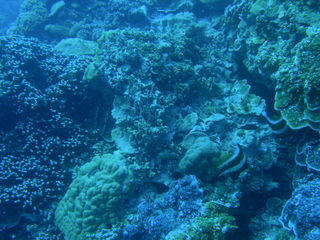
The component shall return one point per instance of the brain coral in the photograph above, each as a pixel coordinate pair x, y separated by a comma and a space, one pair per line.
94, 197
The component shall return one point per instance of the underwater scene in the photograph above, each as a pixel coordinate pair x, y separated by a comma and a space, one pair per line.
159, 120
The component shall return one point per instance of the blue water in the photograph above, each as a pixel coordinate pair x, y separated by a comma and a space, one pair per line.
8, 13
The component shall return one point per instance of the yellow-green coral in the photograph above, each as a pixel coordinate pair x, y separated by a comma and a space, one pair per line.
297, 93
94, 197
214, 224
281, 62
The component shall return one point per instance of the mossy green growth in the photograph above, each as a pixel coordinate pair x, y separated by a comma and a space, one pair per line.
214, 224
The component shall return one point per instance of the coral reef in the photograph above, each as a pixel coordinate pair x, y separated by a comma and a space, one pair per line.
307, 155
214, 223
266, 224
283, 61
146, 119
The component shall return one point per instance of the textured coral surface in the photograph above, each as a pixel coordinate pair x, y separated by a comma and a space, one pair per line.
160, 120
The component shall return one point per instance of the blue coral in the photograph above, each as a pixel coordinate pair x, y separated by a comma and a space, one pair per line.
43, 135
301, 213
156, 218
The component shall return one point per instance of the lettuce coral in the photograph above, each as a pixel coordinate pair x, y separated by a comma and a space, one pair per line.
297, 94
284, 62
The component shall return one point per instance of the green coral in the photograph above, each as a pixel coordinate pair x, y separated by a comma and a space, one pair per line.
282, 53
298, 91
32, 17
143, 70
93, 199
214, 224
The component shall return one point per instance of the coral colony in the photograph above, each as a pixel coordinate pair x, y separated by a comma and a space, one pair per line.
160, 120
